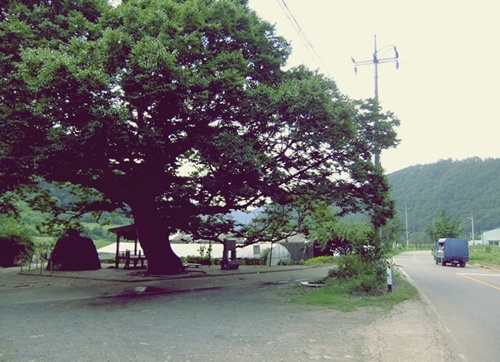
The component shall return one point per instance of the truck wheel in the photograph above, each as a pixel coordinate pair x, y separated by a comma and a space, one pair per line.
443, 263
462, 264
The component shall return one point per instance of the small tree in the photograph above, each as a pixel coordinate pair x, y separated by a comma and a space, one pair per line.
444, 226
325, 228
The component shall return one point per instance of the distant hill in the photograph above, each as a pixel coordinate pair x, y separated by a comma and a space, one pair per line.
461, 188
245, 217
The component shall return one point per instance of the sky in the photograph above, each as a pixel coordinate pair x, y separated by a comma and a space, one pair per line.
445, 92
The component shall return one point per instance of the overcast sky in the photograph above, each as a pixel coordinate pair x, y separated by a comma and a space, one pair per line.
445, 92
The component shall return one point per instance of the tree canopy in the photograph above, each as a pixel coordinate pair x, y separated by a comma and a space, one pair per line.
177, 109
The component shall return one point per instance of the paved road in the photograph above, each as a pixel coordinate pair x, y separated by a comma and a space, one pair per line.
206, 315
467, 300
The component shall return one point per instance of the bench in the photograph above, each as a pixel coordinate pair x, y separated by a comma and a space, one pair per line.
131, 261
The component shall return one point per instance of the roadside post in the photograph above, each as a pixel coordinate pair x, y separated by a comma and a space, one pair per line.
389, 275
256, 254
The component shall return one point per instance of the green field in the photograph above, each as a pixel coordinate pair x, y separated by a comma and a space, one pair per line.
98, 233
486, 254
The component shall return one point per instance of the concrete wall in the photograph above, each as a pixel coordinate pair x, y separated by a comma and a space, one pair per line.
491, 237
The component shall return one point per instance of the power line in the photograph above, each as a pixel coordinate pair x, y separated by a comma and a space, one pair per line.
298, 29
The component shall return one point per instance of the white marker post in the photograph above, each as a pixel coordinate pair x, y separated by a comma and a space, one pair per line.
389, 275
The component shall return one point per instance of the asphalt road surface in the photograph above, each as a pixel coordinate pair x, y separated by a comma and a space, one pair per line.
467, 300
207, 315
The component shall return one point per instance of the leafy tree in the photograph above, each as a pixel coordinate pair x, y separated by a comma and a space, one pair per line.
377, 128
444, 227
277, 222
329, 233
393, 234
179, 110
15, 244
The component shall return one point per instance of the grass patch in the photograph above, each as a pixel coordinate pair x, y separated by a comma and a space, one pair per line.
321, 260
488, 254
337, 295
100, 242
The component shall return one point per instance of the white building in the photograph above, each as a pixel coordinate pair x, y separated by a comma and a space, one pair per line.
491, 237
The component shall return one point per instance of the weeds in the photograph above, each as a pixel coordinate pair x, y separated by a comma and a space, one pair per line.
488, 254
344, 295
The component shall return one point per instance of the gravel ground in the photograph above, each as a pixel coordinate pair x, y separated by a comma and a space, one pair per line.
206, 315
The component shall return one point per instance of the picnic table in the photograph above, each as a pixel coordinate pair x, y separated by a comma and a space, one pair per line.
130, 260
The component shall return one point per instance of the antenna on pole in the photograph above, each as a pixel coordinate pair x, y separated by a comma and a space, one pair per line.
375, 61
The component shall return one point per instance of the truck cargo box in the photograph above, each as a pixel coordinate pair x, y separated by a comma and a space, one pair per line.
451, 251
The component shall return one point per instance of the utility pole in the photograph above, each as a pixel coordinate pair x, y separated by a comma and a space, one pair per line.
471, 218
407, 234
376, 61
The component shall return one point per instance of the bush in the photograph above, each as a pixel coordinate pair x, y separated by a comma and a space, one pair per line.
14, 250
197, 260
360, 276
325, 259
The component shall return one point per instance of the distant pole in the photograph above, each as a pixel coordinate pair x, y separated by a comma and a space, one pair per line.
375, 61
473, 234
407, 238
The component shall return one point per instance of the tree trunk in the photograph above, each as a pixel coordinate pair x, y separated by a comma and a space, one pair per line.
153, 236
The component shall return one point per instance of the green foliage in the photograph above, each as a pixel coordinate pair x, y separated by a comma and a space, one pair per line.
457, 187
15, 245
444, 226
361, 251
339, 295
376, 127
277, 221
52, 208
324, 259
24, 26
334, 235
205, 256
10, 225
390, 234
197, 259
362, 274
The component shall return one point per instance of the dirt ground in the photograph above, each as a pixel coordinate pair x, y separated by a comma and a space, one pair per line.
204, 315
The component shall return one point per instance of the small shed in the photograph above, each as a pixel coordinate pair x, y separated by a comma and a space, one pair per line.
126, 232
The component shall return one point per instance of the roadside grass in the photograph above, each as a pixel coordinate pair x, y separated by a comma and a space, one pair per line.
487, 254
321, 260
334, 294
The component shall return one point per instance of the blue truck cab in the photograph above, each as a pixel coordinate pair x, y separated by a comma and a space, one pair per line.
451, 251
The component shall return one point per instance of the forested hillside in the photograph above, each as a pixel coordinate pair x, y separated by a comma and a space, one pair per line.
461, 188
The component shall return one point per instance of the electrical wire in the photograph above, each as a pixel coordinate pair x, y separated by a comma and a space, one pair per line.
298, 29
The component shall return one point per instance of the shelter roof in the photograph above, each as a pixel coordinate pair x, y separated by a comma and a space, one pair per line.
128, 232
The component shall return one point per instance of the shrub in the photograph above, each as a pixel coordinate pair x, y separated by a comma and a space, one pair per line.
197, 260
360, 276
14, 250
325, 259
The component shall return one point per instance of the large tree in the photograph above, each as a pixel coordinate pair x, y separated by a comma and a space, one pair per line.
179, 109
